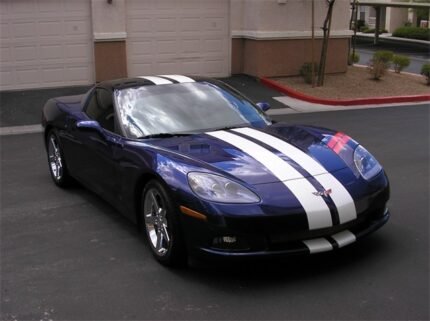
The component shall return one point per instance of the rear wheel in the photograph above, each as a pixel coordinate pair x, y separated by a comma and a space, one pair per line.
161, 222
56, 161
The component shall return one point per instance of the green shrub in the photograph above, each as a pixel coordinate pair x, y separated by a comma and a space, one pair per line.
353, 58
412, 33
425, 71
360, 24
400, 62
384, 55
306, 71
380, 63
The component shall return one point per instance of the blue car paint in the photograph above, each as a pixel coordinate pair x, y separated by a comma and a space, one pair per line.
113, 166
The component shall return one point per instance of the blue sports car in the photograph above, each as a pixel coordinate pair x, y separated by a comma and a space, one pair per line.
203, 170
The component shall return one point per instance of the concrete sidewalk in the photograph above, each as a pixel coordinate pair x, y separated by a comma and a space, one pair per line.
293, 106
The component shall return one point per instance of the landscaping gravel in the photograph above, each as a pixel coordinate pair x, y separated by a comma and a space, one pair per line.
357, 83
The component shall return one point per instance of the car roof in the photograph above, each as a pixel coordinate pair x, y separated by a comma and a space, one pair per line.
151, 81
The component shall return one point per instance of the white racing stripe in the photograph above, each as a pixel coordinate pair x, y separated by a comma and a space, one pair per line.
318, 245
344, 238
340, 196
157, 80
317, 211
179, 78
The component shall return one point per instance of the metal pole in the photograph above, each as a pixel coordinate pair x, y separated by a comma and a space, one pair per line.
378, 25
312, 44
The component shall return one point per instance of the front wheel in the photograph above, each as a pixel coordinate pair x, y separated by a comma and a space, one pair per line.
56, 161
161, 222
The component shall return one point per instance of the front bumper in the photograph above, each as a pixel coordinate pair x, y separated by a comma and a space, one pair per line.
278, 244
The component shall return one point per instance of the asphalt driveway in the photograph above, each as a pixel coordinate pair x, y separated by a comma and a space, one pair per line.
67, 255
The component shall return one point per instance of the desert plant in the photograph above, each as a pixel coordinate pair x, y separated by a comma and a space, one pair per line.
425, 71
412, 33
380, 63
353, 58
384, 55
400, 62
306, 71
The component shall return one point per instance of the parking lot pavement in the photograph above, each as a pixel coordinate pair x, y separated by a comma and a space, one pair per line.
67, 255
24, 107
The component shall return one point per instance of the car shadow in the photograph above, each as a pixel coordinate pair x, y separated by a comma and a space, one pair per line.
267, 272
252, 272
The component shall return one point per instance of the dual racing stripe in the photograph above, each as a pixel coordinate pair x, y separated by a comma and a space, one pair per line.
339, 195
317, 211
322, 244
168, 79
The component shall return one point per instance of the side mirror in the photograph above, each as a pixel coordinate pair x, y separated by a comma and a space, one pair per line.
89, 125
264, 106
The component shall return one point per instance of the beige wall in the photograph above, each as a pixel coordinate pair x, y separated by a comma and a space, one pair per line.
109, 33
395, 17
273, 39
293, 16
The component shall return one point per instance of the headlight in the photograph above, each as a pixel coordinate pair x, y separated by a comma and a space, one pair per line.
220, 189
366, 164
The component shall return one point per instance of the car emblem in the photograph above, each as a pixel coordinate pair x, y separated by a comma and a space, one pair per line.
325, 193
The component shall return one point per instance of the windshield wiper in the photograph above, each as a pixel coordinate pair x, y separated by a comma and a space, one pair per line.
164, 135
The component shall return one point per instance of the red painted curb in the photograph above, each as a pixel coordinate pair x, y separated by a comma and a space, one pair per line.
340, 102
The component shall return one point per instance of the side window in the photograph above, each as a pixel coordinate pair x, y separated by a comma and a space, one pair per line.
93, 110
100, 108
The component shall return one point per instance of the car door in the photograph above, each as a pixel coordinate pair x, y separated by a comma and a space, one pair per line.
96, 148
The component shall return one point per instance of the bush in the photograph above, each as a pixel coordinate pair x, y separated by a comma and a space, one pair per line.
412, 33
306, 71
380, 63
353, 58
425, 71
384, 55
400, 62
360, 24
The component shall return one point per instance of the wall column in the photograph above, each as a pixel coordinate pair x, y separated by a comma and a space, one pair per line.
109, 34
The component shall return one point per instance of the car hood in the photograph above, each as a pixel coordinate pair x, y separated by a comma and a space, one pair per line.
248, 153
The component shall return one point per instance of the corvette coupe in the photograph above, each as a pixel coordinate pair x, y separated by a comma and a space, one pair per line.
202, 169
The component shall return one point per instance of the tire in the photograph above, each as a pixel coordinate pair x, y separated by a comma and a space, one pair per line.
56, 161
160, 220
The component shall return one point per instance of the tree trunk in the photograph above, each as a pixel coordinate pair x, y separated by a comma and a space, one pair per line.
326, 36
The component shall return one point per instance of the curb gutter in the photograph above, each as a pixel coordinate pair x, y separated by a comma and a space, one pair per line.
343, 102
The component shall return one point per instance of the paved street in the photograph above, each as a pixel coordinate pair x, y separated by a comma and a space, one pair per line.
418, 54
67, 255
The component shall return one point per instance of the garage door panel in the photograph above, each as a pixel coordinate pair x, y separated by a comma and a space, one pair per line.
46, 43
183, 36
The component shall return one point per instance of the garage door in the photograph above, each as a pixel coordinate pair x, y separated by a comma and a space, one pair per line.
178, 37
45, 43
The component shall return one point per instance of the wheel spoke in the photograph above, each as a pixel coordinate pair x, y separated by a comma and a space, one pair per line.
159, 245
165, 233
155, 202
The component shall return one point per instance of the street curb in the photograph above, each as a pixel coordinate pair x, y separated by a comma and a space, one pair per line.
20, 130
343, 102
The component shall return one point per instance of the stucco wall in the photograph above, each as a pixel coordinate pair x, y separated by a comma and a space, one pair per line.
274, 39
294, 15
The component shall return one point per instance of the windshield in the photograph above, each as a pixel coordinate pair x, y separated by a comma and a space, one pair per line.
183, 108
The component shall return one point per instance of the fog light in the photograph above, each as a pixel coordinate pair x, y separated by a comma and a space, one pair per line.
229, 243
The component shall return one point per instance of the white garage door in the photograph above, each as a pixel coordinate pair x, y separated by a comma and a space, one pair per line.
45, 43
178, 37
